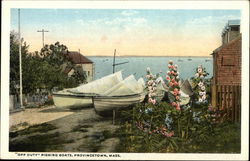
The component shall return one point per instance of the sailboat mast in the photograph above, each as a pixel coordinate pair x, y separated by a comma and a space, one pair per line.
114, 61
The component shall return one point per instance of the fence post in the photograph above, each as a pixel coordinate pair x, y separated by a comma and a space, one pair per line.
214, 95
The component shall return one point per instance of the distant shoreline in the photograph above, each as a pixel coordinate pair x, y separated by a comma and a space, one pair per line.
152, 56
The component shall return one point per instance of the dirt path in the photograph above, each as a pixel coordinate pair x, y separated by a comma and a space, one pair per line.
75, 130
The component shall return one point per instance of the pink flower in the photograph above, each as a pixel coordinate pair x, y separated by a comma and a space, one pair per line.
173, 80
175, 93
147, 76
168, 78
176, 90
176, 84
178, 107
177, 97
171, 84
174, 104
153, 101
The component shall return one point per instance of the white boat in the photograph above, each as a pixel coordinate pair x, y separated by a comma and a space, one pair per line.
161, 88
143, 89
185, 93
122, 95
82, 96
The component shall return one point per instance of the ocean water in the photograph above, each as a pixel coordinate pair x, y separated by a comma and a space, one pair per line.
138, 65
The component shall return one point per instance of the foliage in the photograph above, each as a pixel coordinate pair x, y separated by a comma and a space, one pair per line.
191, 129
41, 70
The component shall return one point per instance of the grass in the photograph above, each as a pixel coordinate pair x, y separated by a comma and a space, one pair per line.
37, 139
41, 128
39, 143
81, 128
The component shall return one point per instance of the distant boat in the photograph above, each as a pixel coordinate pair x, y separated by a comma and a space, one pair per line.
82, 95
189, 59
206, 60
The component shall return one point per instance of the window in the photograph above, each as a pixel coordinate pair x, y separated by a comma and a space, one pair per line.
228, 61
235, 28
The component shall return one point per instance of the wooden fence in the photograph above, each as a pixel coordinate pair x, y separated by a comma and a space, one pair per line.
228, 97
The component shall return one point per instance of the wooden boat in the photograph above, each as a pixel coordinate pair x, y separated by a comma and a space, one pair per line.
122, 95
82, 96
185, 93
71, 100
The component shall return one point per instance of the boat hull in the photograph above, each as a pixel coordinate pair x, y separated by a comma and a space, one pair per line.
109, 103
72, 101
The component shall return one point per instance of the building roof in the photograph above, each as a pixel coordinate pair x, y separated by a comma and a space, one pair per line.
226, 45
78, 58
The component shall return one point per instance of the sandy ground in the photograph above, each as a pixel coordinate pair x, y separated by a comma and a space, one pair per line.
37, 115
69, 124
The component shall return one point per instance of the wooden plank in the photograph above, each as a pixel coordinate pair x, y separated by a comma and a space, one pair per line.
239, 103
236, 103
224, 100
233, 103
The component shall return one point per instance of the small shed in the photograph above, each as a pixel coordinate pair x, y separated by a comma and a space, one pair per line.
226, 82
82, 63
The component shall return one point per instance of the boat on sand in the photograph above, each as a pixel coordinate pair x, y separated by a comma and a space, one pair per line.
125, 93
82, 95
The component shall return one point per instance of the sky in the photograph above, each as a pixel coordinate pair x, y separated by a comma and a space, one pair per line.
141, 32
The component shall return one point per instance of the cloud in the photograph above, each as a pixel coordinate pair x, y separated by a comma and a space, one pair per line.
104, 38
129, 12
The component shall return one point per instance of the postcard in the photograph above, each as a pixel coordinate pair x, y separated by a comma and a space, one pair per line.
125, 80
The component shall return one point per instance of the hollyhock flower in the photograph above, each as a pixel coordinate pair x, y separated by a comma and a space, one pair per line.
199, 70
203, 97
175, 93
153, 94
173, 80
168, 72
150, 100
168, 78
178, 106
200, 84
171, 84
176, 90
203, 88
176, 83
150, 82
148, 69
200, 100
173, 104
177, 97
201, 76
197, 75
177, 77
201, 93
153, 101
147, 76
170, 62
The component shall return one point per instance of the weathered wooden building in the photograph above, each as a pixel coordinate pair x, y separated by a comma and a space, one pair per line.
226, 82
82, 63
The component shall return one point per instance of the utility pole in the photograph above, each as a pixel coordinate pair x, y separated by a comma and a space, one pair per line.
43, 31
20, 60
